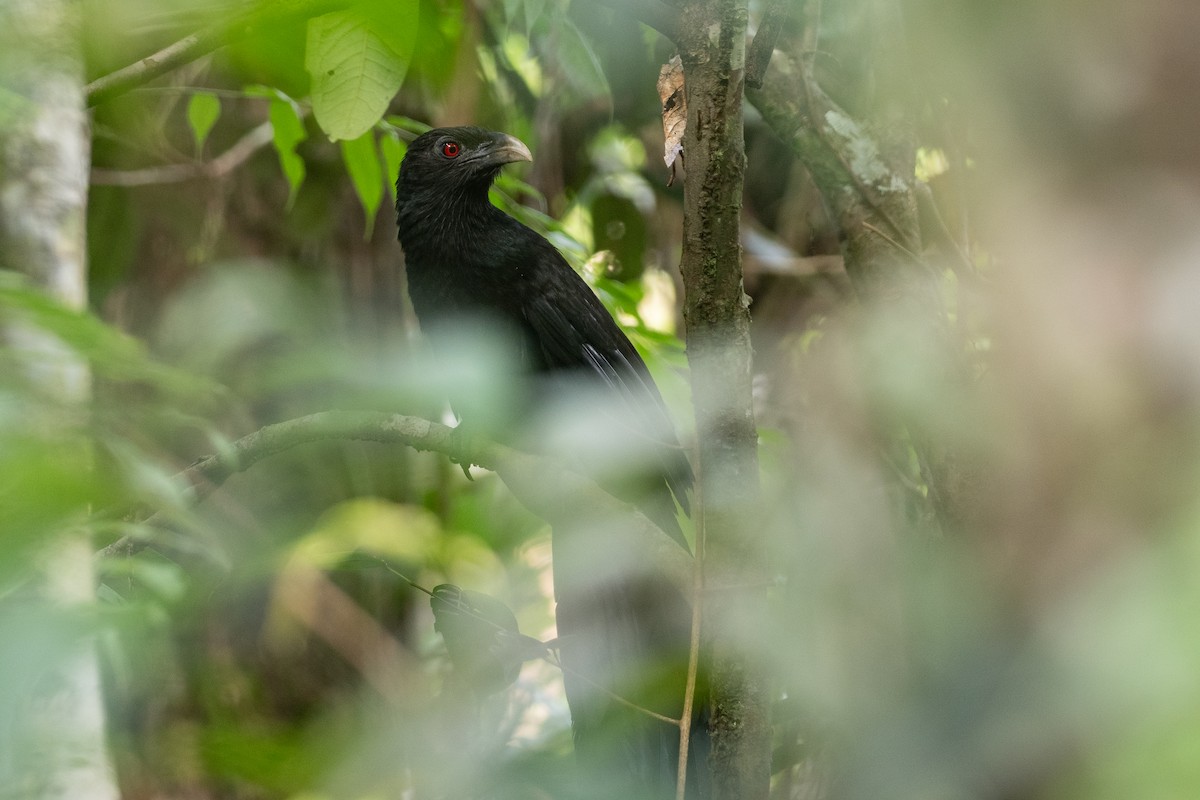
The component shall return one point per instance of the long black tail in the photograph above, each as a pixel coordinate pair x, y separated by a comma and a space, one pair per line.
628, 636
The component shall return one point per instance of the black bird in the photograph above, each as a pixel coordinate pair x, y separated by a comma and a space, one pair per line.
621, 631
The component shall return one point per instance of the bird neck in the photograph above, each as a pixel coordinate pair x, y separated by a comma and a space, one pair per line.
444, 219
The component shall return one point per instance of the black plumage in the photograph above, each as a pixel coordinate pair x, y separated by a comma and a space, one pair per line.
469, 263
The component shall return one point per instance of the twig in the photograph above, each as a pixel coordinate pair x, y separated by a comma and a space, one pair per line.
614, 696
764, 41
208, 473
930, 208
218, 167
892, 242
689, 689
203, 42
549, 488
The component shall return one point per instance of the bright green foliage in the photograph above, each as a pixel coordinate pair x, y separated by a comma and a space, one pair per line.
203, 111
287, 132
366, 174
357, 60
392, 148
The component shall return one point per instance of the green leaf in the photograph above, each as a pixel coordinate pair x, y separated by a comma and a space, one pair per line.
288, 131
533, 12
203, 111
580, 64
362, 163
110, 352
392, 148
357, 59
13, 108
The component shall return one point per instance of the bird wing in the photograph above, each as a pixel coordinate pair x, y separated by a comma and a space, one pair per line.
573, 329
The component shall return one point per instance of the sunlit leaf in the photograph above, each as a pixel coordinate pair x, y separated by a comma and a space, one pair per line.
357, 60
392, 149
378, 527
288, 132
203, 111
366, 174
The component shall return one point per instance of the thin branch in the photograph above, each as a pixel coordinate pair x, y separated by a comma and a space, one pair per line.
549, 488
930, 211
818, 104
211, 38
764, 41
208, 473
614, 696
689, 689
218, 167
892, 242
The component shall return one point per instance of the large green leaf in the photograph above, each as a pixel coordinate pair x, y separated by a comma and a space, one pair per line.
366, 173
357, 59
288, 132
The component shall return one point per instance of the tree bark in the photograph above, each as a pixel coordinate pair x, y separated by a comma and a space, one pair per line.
866, 176
712, 42
55, 745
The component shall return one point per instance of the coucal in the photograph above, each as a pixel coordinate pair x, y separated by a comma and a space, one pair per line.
473, 270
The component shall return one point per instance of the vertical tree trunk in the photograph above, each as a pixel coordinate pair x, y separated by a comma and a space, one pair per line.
55, 749
713, 52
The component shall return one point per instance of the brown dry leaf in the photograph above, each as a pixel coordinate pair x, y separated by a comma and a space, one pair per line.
674, 112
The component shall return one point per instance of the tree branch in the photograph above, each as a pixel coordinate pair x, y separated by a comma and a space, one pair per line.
553, 491
202, 43
218, 167
713, 53
764, 41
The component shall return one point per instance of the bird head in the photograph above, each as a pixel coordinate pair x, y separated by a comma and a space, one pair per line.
462, 158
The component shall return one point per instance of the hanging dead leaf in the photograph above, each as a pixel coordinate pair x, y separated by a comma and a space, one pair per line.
674, 112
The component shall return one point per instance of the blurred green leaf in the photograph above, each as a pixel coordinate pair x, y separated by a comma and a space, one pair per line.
203, 111
580, 65
165, 580
109, 352
288, 132
274, 758
389, 530
13, 107
392, 149
366, 174
533, 12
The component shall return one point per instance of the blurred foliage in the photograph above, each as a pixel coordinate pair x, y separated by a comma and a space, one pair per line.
268, 643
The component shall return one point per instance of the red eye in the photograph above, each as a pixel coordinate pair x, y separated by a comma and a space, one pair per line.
450, 149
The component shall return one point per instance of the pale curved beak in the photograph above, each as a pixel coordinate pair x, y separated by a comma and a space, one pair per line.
509, 149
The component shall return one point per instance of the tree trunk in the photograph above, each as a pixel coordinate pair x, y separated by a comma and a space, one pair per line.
55, 746
713, 52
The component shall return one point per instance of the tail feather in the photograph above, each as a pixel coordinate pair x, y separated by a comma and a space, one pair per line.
630, 639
